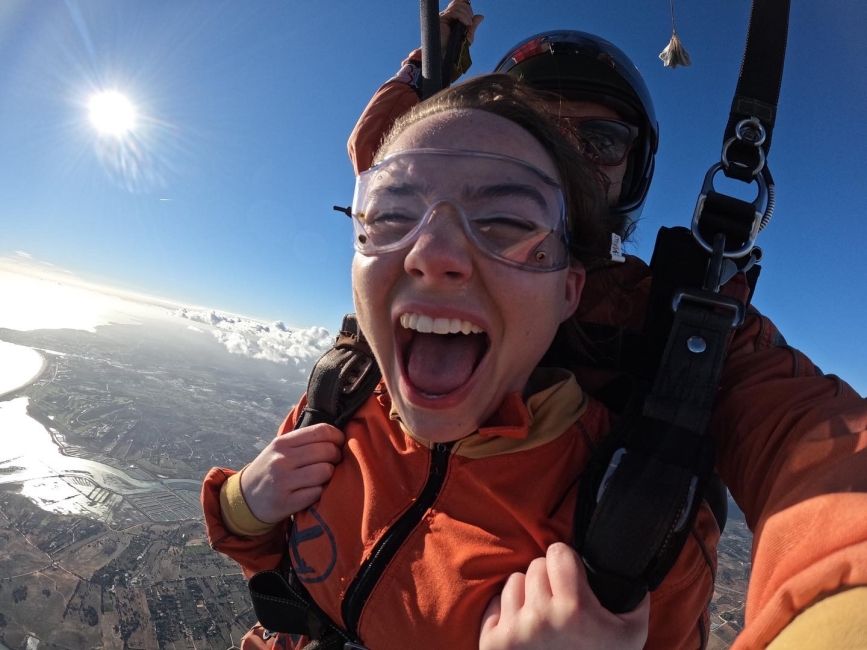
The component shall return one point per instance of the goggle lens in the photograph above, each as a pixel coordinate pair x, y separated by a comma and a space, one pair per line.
509, 209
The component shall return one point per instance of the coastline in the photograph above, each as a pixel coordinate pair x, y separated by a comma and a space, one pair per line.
13, 350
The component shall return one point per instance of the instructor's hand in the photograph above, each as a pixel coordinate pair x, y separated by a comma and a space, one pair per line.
458, 11
288, 475
552, 607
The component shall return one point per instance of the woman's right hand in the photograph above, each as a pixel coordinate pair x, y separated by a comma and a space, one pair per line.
289, 474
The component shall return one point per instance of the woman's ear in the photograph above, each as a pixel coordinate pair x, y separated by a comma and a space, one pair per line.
576, 275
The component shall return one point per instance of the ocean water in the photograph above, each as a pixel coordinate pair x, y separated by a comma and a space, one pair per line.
19, 366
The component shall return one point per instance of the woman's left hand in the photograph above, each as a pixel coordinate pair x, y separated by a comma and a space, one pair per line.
551, 606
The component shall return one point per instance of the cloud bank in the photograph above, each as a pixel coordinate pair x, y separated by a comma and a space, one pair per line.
272, 342
47, 297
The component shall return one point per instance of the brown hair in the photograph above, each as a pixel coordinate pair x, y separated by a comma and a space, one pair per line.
503, 95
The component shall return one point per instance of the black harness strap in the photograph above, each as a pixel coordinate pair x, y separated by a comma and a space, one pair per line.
759, 82
341, 381
640, 493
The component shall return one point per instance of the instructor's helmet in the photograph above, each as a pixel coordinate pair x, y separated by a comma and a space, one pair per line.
581, 66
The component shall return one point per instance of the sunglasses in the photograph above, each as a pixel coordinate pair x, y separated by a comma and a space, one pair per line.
603, 140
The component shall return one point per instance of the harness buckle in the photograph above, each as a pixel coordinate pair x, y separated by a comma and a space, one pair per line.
351, 645
710, 299
761, 206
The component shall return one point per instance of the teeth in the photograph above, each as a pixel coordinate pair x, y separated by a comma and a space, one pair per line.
442, 326
426, 325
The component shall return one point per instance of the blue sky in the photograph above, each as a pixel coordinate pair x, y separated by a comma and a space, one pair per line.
245, 107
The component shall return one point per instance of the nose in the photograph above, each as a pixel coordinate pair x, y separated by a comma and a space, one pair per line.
442, 251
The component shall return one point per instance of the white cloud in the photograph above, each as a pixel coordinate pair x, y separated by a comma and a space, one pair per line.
272, 342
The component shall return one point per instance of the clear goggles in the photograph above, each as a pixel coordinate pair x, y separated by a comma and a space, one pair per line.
603, 141
508, 209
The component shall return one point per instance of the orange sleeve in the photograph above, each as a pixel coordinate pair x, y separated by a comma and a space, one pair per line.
254, 553
792, 447
393, 99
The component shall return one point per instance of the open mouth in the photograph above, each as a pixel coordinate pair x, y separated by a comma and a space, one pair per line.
440, 355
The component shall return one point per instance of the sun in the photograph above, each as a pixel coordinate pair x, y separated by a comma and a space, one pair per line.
112, 113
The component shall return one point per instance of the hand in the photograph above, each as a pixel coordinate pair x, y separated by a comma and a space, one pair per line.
288, 475
458, 11
553, 607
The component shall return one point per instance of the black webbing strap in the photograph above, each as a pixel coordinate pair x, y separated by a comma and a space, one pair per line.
341, 381
639, 496
758, 88
283, 605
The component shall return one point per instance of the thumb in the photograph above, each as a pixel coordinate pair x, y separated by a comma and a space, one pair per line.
639, 615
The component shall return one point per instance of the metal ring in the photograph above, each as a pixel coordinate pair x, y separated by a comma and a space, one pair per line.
724, 158
755, 125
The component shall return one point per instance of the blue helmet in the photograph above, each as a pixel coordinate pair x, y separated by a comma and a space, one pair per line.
581, 66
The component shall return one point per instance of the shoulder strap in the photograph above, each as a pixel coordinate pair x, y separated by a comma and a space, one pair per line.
342, 379
639, 495
340, 382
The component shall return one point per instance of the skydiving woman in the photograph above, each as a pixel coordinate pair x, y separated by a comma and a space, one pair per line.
441, 516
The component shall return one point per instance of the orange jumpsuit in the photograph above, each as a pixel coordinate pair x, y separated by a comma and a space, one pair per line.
508, 491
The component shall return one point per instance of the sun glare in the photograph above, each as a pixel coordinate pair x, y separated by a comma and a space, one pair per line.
111, 113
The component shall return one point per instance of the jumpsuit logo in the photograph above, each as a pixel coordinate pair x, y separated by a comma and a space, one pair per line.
305, 572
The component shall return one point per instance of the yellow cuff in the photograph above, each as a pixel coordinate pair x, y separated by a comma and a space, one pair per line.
235, 511
837, 621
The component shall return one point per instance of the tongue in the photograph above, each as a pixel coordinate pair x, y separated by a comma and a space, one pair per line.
438, 364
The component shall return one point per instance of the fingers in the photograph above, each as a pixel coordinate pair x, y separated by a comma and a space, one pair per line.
313, 433
315, 444
551, 606
309, 476
288, 474
305, 498
460, 11
316, 452
537, 585
566, 572
512, 596
491, 616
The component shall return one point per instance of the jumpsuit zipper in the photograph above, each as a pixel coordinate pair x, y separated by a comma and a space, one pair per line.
371, 570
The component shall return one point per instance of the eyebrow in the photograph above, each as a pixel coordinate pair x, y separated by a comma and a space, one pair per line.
500, 190
400, 189
495, 191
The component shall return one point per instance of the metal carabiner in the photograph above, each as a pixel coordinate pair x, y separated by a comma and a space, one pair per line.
761, 203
